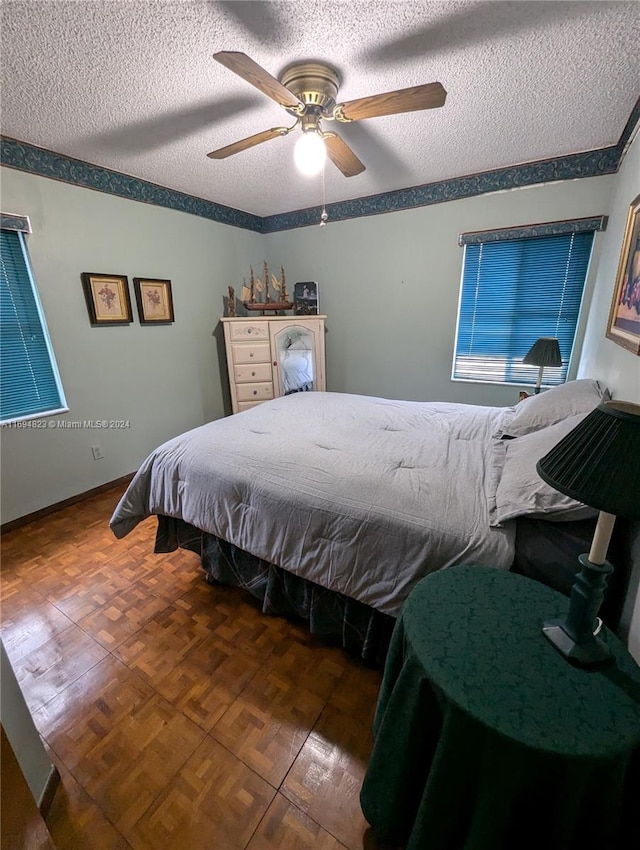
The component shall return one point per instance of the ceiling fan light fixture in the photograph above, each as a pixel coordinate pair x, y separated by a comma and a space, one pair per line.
310, 153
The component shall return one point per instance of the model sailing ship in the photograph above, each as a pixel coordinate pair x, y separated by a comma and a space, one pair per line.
258, 287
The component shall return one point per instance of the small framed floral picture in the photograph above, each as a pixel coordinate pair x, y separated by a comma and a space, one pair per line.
107, 297
153, 297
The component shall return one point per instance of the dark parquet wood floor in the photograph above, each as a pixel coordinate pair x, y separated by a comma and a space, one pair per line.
179, 716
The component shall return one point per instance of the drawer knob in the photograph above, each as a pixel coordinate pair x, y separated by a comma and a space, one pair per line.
253, 374
248, 330
251, 354
255, 392
275, 362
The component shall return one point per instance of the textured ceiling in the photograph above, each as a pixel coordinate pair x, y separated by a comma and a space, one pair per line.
132, 86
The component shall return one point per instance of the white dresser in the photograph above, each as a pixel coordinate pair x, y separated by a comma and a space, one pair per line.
272, 356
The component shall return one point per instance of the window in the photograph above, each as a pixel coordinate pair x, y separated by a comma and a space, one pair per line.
30, 384
515, 290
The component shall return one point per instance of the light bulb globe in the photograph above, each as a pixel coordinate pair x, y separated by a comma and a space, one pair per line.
310, 154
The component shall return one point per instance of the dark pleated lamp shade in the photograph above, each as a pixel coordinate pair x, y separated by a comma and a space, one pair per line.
598, 463
544, 352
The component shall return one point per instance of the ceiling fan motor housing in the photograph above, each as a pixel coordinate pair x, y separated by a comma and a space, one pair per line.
315, 84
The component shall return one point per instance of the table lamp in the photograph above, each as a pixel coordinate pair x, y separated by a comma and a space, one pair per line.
597, 463
544, 352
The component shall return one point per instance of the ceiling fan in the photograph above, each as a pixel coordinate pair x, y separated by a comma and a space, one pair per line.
308, 92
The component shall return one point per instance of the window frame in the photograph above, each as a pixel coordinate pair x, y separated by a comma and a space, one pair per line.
521, 233
20, 224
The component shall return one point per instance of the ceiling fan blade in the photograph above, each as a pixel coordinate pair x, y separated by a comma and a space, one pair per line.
428, 96
342, 156
253, 73
251, 141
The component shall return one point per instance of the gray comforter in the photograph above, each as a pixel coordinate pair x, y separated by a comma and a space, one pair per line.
361, 495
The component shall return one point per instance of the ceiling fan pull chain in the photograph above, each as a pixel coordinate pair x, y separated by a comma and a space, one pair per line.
323, 214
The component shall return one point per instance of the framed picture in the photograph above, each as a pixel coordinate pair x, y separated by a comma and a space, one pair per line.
153, 297
624, 316
305, 298
107, 297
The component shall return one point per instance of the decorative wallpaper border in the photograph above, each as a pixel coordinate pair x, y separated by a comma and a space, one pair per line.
527, 231
46, 163
590, 164
26, 157
631, 124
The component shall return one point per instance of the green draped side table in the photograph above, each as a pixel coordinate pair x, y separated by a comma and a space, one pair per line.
486, 738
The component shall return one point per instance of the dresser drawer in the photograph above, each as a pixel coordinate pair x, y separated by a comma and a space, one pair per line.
252, 373
250, 330
245, 405
254, 392
247, 352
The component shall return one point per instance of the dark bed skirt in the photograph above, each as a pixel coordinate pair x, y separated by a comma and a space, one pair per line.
359, 629
545, 551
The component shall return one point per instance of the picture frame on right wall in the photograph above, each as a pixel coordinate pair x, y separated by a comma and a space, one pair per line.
623, 327
305, 298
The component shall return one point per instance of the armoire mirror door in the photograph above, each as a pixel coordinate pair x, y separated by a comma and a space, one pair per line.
295, 364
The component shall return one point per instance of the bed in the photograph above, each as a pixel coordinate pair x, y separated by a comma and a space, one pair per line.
332, 506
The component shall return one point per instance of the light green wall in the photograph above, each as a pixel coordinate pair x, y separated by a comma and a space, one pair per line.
617, 367
389, 285
602, 358
163, 379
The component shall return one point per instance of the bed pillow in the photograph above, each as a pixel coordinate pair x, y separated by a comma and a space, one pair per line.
554, 405
521, 491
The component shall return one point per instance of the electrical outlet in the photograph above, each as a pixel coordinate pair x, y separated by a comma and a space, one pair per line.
96, 451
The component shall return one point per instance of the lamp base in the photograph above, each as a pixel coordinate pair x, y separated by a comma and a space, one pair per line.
581, 653
575, 637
